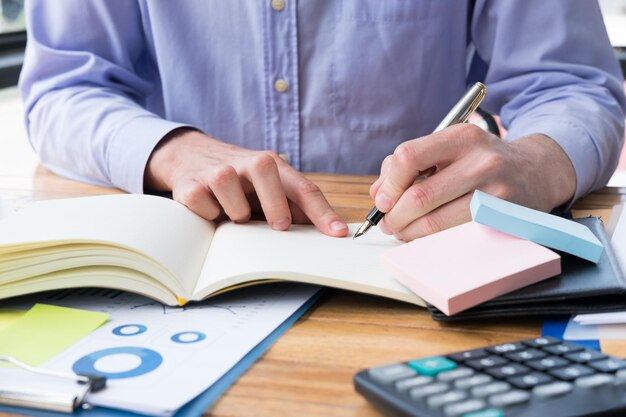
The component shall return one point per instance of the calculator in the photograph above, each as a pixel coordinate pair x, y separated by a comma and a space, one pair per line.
530, 378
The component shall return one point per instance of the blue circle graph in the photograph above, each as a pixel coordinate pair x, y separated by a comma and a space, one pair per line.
179, 337
150, 360
140, 328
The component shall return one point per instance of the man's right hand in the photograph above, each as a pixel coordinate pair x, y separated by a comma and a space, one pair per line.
213, 178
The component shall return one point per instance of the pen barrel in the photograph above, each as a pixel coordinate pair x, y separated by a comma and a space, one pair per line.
464, 107
375, 216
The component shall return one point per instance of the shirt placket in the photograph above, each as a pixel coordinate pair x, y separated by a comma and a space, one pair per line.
282, 118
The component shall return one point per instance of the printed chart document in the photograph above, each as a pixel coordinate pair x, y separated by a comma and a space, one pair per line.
157, 358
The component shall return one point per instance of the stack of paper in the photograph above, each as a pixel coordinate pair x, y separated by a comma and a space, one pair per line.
596, 326
602, 318
505, 248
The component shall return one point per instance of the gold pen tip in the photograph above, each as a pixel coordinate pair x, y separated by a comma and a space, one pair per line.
362, 230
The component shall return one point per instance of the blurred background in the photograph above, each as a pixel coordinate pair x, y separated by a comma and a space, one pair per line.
13, 41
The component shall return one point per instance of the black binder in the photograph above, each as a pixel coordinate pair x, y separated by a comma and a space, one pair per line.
582, 287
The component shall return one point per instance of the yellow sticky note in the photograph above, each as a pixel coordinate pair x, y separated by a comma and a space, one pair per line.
7, 317
45, 331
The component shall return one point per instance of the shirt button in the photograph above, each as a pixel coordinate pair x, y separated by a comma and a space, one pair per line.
281, 85
278, 5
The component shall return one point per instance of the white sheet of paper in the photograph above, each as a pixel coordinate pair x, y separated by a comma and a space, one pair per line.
255, 250
601, 318
576, 331
618, 240
6, 209
158, 358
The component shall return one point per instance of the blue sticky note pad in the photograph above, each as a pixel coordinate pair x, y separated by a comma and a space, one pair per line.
534, 225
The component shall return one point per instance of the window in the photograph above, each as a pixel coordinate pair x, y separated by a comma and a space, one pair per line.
12, 40
12, 16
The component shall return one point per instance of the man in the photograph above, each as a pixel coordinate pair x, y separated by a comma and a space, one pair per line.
200, 98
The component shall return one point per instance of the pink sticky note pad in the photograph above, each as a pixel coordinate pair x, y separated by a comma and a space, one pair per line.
466, 265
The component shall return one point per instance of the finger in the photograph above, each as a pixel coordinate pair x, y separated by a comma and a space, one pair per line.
197, 198
449, 215
263, 173
310, 199
298, 216
384, 169
423, 197
226, 186
416, 156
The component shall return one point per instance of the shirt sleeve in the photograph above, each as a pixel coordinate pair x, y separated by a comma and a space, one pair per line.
551, 70
84, 95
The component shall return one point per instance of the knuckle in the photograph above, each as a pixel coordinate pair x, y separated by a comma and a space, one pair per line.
307, 188
264, 161
469, 131
429, 225
421, 195
240, 215
503, 191
193, 195
223, 175
386, 163
469, 135
493, 164
404, 154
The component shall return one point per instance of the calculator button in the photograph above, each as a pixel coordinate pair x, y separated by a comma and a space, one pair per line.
552, 390
593, 381
608, 365
563, 348
439, 400
432, 365
468, 355
457, 373
585, 356
487, 362
620, 377
454, 410
530, 380
491, 412
541, 341
509, 370
407, 384
551, 362
506, 348
526, 355
390, 373
490, 389
509, 398
426, 390
472, 381
571, 372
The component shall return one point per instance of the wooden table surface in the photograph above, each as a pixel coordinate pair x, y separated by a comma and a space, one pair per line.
308, 372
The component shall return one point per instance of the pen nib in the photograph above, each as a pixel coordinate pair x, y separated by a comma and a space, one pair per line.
362, 230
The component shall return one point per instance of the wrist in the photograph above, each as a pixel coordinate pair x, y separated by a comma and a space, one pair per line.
165, 158
550, 171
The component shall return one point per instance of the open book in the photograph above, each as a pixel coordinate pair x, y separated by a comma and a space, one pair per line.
157, 247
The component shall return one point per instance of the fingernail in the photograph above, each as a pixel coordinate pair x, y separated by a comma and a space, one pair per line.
337, 226
383, 202
282, 224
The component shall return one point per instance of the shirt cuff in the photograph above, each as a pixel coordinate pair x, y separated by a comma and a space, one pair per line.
574, 140
131, 148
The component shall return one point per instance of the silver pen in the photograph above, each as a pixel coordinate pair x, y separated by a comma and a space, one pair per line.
459, 114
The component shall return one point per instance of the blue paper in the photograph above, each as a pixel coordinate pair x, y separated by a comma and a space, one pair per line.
543, 228
199, 405
555, 326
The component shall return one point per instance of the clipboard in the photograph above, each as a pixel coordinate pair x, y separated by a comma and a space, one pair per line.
26, 386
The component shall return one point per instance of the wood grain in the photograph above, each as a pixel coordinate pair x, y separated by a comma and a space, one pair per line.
308, 372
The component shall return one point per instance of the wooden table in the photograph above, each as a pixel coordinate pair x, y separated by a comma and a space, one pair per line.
308, 372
